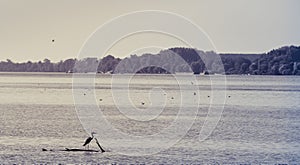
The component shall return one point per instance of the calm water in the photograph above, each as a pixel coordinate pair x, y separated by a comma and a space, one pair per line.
260, 122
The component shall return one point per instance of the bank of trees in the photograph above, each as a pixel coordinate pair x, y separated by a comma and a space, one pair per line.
107, 64
41, 66
282, 61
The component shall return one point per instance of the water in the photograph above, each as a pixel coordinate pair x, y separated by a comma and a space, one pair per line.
260, 122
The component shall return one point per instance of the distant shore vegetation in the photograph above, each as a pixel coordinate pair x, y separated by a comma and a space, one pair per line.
282, 61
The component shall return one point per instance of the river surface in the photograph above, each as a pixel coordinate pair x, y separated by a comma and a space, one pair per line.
257, 120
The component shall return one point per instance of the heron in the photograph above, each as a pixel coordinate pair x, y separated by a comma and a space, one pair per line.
89, 139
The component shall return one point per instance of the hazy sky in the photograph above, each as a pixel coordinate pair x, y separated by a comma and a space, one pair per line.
249, 26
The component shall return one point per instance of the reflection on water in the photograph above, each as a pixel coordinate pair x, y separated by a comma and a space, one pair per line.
260, 122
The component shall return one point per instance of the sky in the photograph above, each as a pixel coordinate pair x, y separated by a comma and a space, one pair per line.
236, 26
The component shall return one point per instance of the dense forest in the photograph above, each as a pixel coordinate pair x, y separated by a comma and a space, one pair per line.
282, 61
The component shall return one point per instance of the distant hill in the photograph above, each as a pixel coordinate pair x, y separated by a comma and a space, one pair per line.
250, 57
281, 61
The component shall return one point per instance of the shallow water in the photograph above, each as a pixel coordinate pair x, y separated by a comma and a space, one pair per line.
260, 122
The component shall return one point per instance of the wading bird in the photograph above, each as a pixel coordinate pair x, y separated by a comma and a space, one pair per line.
89, 139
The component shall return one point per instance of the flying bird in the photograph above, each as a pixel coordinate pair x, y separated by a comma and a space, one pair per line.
89, 139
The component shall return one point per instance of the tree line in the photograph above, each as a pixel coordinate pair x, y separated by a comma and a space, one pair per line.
41, 66
282, 61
